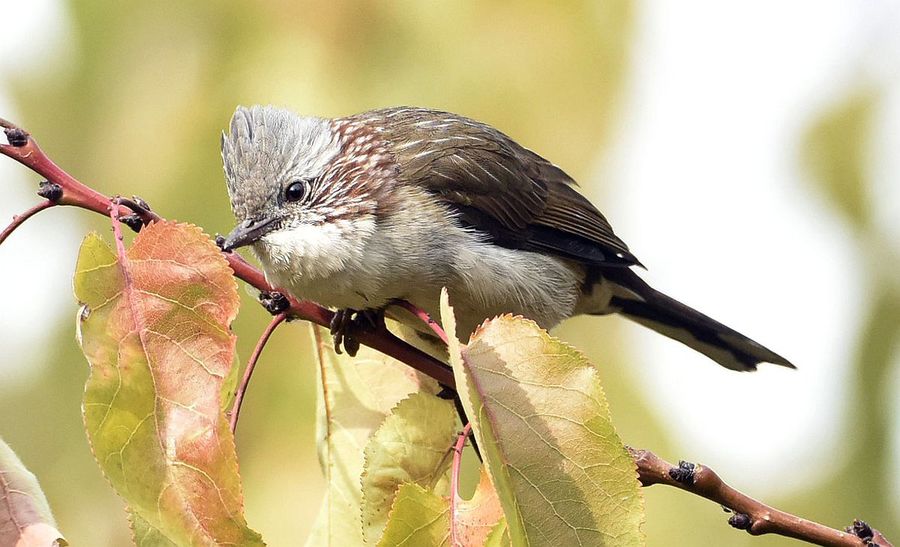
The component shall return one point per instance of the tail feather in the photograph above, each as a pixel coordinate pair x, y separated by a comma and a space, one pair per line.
645, 305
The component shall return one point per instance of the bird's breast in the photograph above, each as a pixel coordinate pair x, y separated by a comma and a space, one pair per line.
411, 254
325, 263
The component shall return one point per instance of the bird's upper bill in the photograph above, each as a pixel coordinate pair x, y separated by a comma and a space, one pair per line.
249, 231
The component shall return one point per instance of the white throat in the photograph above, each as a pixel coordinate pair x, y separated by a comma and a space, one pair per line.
318, 261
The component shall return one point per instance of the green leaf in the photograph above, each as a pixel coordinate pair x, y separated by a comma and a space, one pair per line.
419, 518
542, 421
229, 385
499, 536
25, 517
144, 534
412, 445
355, 395
154, 327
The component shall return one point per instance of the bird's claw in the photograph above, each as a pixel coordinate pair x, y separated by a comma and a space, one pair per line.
345, 321
220, 242
274, 302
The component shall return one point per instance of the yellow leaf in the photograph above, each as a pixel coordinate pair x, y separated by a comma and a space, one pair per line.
541, 419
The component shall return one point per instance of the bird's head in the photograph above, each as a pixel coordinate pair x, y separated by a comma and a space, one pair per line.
300, 185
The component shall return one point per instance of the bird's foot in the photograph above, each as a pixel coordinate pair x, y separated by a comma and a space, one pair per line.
346, 321
274, 302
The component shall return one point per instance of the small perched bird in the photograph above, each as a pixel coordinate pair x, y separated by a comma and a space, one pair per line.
357, 212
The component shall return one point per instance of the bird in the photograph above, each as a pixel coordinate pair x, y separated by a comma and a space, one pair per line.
359, 212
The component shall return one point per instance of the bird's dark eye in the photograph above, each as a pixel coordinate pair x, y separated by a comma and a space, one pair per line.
296, 190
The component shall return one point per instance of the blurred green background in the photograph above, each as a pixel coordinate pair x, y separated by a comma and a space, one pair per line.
130, 97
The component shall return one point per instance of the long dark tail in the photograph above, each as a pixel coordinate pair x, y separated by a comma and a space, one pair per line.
645, 305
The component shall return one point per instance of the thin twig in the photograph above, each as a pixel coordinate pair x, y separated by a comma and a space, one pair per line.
423, 316
27, 152
18, 220
751, 515
454, 479
115, 216
251, 365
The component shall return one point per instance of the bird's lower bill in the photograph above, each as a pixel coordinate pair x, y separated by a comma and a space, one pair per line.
249, 231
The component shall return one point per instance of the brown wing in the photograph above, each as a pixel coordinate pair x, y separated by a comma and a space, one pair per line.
515, 196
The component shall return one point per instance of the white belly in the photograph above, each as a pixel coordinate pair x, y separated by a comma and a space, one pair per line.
411, 256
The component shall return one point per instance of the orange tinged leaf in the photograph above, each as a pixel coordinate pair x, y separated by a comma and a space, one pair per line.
154, 327
474, 519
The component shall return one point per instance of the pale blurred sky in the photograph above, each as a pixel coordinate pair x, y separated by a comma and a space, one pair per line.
36, 262
709, 193
706, 189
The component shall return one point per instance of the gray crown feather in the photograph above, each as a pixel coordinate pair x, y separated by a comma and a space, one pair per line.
267, 145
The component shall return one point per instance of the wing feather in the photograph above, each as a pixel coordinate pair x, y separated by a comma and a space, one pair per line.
515, 196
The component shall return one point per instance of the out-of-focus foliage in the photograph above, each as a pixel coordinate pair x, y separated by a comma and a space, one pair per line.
154, 326
540, 416
25, 516
838, 156
835, 154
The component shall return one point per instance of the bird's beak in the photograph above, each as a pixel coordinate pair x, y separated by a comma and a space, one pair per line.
247, 232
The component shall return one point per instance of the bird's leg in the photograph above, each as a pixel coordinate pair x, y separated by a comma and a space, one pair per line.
347, 320
338, 325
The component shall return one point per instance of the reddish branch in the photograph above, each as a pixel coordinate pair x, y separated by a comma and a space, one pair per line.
251, 365
454, 479
424, 317
749, 514
18, 220
23, 148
